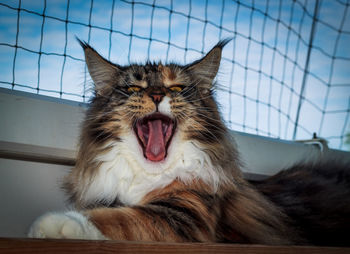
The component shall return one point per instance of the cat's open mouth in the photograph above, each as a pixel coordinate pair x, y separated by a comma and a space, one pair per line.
154, 133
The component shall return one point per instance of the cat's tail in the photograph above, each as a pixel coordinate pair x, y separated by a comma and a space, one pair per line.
317, 199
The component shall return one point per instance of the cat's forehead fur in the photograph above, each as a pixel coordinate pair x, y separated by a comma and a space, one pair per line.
155, 74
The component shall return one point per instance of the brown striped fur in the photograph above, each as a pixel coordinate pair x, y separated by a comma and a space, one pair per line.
182, 213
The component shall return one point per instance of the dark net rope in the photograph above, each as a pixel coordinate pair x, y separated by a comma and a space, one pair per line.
291, 121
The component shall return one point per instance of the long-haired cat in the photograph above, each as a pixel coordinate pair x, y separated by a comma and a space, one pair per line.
156, 163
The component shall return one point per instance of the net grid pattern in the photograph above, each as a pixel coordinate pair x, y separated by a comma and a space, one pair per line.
271, 67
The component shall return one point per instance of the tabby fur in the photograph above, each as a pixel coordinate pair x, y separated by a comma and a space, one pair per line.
185, 186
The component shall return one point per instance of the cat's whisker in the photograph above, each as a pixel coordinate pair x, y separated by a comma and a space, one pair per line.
117, 90
107, 113
210, 118
102, 132
124, 82
221, 86
192, 119
207, 110
204, 109
201, 99
196, 112
193, 86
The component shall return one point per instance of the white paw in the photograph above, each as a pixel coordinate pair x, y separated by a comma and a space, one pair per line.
69, 225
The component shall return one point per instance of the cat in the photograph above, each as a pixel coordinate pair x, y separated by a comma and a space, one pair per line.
157, 163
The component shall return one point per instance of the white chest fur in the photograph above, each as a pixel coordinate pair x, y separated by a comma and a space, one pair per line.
126, 174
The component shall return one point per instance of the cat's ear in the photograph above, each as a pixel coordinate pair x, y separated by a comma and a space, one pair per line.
208, 66
102, 72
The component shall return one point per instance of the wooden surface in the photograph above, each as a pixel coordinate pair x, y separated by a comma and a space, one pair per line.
11, 245
17, 151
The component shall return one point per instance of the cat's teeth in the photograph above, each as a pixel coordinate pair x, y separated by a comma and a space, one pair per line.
164, 128
169, 132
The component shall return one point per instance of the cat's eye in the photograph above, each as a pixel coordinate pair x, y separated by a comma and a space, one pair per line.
176, 88
134, 89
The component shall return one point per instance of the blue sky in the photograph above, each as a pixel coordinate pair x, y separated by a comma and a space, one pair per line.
247, 88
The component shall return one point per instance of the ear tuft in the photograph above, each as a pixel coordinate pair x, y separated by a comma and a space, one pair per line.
221, 44
101, 70
83, 44
208, 66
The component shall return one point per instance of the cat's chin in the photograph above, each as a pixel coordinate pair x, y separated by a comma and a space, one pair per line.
154, 133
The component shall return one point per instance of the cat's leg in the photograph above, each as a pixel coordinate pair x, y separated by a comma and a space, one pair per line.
152, 223
181, 216
143, 223
69, 225
173, 214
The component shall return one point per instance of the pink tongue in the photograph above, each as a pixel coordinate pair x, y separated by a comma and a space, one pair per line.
155, 149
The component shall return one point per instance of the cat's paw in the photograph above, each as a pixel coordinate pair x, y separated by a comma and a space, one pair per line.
68, 225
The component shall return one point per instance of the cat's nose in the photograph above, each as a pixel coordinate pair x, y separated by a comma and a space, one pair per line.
157, 97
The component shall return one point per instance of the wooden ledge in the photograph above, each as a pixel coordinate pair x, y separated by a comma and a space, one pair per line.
25, 152
14, 245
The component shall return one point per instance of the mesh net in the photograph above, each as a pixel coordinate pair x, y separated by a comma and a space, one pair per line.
285, 74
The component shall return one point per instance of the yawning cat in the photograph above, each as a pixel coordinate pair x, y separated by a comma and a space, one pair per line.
156, 163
